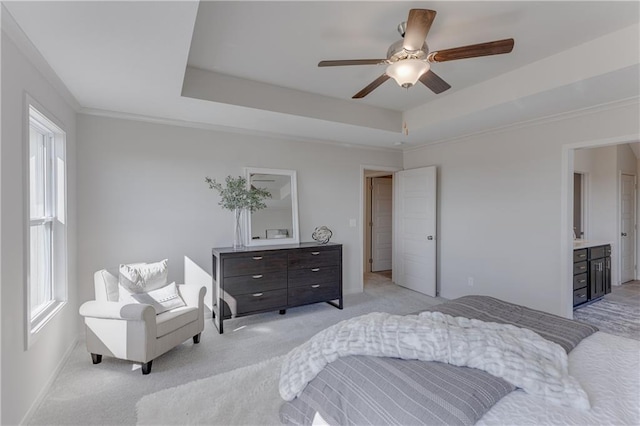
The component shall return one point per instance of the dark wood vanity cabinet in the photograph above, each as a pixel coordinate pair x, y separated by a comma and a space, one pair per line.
262, 279
580, 277
599, 271
591, 273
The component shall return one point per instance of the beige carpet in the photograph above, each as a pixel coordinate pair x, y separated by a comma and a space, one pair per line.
107, 393
245, 396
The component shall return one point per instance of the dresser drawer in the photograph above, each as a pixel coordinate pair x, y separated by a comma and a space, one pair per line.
579, 267
255, 302
579, 281
579, 296
321, 274
255, 283
254, 263
313, 293
314, 257
579, 255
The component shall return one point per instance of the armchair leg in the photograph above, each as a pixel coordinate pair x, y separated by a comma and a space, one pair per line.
146, 367
97, 359
196, 339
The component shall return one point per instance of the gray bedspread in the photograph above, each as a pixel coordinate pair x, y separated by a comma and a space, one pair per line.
363, 390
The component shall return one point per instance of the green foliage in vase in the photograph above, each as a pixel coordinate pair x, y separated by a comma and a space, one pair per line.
235, 194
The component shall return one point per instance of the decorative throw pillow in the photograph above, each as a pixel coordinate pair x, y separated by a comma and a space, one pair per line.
162, 299
143, 277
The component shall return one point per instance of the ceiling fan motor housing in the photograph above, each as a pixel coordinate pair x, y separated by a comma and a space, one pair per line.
397, 53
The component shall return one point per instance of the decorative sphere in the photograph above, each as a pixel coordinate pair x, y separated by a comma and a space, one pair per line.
322, 234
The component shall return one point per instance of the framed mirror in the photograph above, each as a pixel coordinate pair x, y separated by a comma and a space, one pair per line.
278, 222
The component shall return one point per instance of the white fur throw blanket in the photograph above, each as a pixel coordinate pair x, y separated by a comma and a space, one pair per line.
518, 355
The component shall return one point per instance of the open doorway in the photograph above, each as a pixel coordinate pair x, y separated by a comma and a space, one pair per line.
378, 235
377, 220
604, 210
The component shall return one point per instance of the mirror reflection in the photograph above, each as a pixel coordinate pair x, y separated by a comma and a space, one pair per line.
278, 222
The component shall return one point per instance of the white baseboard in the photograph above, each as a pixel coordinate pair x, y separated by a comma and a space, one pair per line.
45, 389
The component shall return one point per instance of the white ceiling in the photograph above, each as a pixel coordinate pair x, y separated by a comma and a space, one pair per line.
253, 65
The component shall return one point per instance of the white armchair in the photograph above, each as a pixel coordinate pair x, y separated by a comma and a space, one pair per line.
133, 331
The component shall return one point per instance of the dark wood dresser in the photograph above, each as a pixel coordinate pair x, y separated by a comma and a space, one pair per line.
262, 279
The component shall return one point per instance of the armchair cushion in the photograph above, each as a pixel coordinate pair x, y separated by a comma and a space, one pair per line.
143, 277
172, 320
162, 299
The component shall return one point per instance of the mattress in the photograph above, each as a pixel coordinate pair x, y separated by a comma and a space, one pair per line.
607, 367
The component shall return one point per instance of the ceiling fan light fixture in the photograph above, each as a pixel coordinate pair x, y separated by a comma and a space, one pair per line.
407, 72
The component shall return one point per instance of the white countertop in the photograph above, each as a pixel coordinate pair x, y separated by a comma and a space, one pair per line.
580, 244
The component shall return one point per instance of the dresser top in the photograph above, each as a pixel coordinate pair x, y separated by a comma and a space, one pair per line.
223, 250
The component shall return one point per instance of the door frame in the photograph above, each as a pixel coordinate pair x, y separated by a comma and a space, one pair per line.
635, 223
566, 214
364, 168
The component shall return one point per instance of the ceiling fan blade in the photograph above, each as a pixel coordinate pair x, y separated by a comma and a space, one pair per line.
418, 26
473, 51
371, 87
340, 63
434, 82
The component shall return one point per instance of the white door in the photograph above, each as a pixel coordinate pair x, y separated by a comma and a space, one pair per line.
414, 242
381, 223
627, 228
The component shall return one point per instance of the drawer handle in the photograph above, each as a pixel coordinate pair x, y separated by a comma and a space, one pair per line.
582, 255
583, 267
582, 281
315, 269
255, 277
582, 296
257, 294
315, 286
257, 257
315, 253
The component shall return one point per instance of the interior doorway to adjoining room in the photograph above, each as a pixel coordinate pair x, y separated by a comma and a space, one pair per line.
379, 223
377, 220
606, 194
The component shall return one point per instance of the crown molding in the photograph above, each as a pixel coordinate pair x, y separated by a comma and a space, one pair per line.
226, 129
11, 29
566, 115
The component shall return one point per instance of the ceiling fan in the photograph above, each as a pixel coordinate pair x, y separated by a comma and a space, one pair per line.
408, 60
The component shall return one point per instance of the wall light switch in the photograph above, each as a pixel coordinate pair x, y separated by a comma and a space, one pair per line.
352, 223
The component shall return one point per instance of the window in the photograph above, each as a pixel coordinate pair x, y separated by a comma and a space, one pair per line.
47, 271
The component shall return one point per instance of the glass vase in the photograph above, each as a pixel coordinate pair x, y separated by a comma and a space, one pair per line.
238, 228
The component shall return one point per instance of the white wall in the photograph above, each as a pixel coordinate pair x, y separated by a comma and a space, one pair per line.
603, 184
27, 372
500, 205
627, 162
142, 195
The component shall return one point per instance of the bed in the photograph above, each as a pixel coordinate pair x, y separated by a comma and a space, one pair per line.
361, 389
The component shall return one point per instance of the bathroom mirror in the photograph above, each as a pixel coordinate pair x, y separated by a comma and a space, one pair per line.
278, 222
